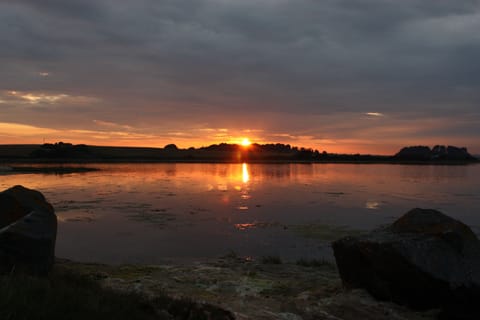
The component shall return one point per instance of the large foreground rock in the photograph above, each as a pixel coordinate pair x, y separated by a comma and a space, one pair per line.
425, 260
28, 230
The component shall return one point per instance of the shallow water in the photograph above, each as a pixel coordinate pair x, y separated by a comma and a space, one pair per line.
151, 213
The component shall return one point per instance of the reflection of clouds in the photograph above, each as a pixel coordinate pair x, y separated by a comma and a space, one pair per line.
222, 187
244, 226
373, 205
433, 173
227, 177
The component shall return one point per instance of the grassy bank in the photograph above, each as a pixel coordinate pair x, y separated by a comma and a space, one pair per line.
70, 293
67, 295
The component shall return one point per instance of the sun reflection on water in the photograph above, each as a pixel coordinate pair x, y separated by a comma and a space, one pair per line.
245, 173
244, 189
125, 212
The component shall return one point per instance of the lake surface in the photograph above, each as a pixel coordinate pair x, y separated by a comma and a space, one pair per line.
152, 213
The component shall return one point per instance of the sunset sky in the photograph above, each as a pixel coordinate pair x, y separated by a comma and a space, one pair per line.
335, 75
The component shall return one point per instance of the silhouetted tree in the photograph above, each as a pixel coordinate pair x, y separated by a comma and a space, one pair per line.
170, 147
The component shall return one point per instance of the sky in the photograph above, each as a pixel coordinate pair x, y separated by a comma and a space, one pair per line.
354, 76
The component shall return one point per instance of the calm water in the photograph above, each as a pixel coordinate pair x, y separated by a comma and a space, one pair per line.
151, 213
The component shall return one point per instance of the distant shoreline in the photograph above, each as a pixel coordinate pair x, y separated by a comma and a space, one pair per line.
66, 153
19, 164
57, 169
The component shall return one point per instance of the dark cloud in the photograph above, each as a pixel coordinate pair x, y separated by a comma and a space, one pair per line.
205, 59
76, 9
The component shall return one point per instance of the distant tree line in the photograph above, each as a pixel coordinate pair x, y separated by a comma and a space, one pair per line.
62, 150
254, 152
437, 153
271, 149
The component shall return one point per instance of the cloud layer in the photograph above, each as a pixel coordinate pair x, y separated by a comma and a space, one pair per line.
369, 75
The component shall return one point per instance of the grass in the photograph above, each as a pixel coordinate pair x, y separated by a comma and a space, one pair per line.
65, 295
313, 263
231, 254
70, 296
271, 260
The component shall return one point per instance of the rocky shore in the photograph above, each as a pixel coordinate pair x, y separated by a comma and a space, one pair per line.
250, 289
425, 262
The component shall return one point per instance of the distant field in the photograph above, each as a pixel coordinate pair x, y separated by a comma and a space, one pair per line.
226, 153
25, 151
160, 154
100, 153
17, 150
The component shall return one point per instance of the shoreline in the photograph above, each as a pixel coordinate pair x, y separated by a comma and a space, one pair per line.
44, 169
250, 289
22, 161
67, 153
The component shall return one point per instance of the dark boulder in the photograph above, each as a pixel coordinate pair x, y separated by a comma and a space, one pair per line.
424, 260
10, 210
28, 231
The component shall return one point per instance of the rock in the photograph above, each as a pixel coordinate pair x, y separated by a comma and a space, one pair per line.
28, 231
29, 199
10, 210
424, 260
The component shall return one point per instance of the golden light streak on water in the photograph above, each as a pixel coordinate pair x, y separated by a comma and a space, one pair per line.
245, 173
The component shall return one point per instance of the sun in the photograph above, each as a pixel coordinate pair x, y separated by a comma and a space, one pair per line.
246, 142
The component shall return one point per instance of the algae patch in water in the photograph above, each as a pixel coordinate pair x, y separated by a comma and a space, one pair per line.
257, 225
80, 219
143, 212
323, 232
70, 205
157, 218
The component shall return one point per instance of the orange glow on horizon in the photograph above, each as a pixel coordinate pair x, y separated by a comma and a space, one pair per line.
341, 148
111, 134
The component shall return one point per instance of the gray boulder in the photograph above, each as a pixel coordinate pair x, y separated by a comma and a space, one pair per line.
28, 230
424, 260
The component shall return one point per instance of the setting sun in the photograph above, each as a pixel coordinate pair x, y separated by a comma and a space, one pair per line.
246, 142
